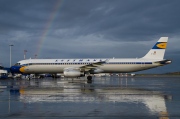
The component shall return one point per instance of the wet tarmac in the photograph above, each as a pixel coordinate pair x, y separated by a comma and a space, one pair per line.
104, 98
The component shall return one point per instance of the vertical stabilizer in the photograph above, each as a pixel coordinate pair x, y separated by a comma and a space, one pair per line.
158, 50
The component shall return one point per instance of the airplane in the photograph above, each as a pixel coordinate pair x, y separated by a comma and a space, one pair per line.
73, 68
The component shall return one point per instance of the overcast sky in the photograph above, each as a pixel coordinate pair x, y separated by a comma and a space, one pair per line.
89, 29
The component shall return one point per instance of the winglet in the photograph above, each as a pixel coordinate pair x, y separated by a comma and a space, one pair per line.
158, 50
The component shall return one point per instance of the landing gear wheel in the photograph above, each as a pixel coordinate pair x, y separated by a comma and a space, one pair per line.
89, 79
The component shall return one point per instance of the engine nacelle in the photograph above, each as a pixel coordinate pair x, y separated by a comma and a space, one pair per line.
68, 72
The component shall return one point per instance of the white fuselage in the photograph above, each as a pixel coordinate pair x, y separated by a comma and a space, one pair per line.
110, 66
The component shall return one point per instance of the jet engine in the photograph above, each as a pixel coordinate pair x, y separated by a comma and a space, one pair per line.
71, 72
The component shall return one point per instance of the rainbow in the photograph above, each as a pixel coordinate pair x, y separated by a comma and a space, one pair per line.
47, 27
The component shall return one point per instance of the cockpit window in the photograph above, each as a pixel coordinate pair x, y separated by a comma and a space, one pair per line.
17, 64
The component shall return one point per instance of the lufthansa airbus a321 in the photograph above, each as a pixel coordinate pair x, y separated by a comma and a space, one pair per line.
81, 67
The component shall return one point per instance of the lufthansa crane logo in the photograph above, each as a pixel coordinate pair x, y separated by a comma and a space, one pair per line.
160, 45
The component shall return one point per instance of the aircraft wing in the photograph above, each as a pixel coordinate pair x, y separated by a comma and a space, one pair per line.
92, 65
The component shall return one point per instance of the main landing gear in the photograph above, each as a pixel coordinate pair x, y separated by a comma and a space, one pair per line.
89, 79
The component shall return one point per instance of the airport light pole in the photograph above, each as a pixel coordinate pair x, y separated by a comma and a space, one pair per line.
35, 56
10, 53
25, 54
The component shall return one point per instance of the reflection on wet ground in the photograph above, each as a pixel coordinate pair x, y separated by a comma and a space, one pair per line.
107, 97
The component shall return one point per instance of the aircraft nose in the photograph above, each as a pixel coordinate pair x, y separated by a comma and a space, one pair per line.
15, 69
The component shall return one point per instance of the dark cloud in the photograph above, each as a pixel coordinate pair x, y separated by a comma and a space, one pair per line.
93, 28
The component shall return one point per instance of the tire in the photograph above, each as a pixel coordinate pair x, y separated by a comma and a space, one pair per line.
89, 78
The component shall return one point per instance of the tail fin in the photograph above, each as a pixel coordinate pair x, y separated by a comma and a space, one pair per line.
158, 50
